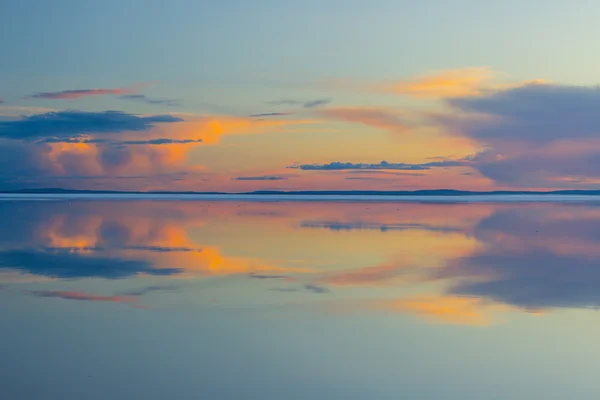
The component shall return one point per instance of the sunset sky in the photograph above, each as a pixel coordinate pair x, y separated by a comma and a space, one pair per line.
333, 94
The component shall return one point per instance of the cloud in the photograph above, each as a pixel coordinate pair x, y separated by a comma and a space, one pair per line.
158, 141
448, 309
261, 178
534, 135
76, 94
534, 113
363, 225
148, 100
316, 103
81, 296
1, 100
308, 287
273, 114
262, 276
443, 84
65, 264
67, 124
156, 249
370, 116
150, 289
304, 103
384, 165
316, 289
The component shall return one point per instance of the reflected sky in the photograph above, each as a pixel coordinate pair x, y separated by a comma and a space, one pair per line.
208, 299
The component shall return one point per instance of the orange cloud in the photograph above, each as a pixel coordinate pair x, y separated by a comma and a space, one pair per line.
452, 83
210, 129
375, 117
445, 309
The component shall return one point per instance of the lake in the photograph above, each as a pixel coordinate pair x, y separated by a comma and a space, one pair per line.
166, 298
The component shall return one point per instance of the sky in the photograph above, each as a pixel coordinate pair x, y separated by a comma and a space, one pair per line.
316, 95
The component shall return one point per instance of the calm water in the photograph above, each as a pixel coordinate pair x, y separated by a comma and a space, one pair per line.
168, 299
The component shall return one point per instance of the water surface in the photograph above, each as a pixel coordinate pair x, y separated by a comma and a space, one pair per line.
165, 298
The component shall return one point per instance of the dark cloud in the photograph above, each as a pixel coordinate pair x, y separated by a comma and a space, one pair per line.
148, 100
261, 178
260, 276
535, 135
303, 103
308, 287
84, 139
20, 161
384, 165
66, 124
159, 141
316, 103
362, 225
66, 264
155, 249
274, 114
538, 113
316, 289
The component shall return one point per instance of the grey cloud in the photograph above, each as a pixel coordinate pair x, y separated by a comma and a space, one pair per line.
68, 124
261, 178
273, 114
303, 103
150, 289
261, 276
337, 165
159, 141
538, 113
316, 289
65, 264
148, 100
363, 225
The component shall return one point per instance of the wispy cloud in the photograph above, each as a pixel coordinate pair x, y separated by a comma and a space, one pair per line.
273, 114
142, 98
384, 165
81, 296
159, 141
303, 103
150, 289
261, 178
78, 93
444, 84
263, 276
370, 116
316, 289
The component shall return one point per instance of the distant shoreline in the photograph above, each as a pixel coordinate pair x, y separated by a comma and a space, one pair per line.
420, 193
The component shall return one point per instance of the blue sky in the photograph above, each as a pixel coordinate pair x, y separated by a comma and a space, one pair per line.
235, 58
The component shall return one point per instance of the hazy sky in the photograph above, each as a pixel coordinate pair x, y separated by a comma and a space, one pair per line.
236, 95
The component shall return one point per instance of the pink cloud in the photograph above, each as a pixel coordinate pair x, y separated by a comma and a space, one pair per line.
68, 295
78, 93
